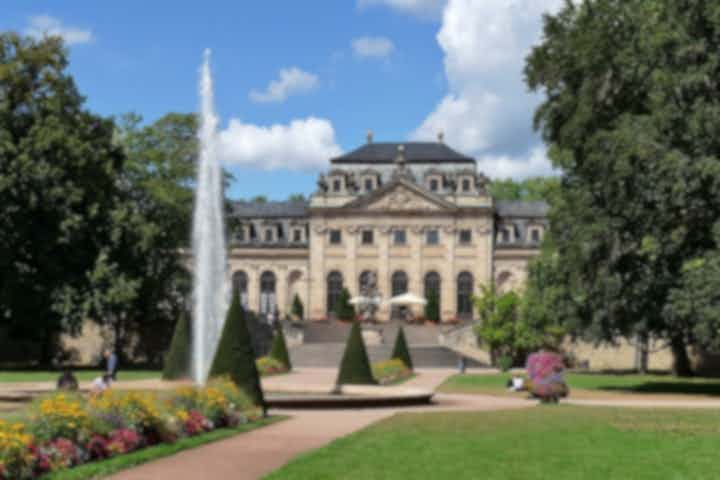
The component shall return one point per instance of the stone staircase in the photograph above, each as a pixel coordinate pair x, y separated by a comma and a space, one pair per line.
329, 355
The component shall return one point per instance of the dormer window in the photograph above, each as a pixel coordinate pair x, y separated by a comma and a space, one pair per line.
505, 235
465, 184
369, 184
434, 185
268, 235
536, 235
297, 235
336, 185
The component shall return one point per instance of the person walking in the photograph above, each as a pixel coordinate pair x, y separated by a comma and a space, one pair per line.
111, 363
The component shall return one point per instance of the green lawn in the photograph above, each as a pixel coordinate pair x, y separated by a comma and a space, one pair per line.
552, 442
82, 375
107, 467
589, 384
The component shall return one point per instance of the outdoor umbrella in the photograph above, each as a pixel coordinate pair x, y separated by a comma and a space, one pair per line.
407, 299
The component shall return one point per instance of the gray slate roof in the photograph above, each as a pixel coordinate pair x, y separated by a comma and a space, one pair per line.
415, 152
518, 208
286, 209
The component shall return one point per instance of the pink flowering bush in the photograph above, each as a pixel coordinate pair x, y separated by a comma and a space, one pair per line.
68, 430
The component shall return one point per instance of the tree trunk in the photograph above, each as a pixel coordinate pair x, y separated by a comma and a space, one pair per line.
681, 360
642, 354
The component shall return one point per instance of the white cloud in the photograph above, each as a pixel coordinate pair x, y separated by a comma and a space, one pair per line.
372, 47
42, 25
420, 8
292, 81
303, 144
488, 111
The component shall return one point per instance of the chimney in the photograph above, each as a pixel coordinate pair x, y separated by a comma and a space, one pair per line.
369, 136
441, 136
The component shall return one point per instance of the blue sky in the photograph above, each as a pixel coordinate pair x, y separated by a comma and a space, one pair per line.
403, 68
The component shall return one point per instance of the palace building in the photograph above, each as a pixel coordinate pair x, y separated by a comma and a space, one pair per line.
417, 215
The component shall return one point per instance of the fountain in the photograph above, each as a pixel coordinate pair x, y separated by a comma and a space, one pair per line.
208, 237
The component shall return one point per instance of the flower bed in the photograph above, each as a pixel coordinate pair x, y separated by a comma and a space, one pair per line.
391, 371
65, 430
270, 366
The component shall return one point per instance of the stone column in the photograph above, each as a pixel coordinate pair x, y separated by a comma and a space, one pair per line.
281, 289
415, 281
383, 273
316, 274
351, 282
253, 274
448, 303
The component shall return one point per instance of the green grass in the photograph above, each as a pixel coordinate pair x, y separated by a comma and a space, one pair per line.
82, 375
618, 383
122, 462
552, 442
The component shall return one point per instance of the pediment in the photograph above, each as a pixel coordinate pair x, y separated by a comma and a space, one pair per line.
401, 196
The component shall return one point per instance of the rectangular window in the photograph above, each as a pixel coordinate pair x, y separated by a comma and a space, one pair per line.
432, 237
367, 237
434, 185
466, 185
399, 237
465, 237
506, 235
240, 234
535, 235
337, 185
268, 235
297, 235
368, 184
335, 237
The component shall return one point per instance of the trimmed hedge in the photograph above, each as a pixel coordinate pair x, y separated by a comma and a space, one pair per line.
401, 350
297, 307
355, 366
177, 359
279, 350
235, 356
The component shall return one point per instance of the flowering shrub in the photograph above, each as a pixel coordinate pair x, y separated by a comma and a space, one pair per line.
390, 371
270, 366
68, 430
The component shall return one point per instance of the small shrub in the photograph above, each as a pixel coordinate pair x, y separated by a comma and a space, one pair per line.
177, 360
432, 307
270, 366
505, 363
401, 350
298, 310
355, 366
390, 371
279, 350
343, 309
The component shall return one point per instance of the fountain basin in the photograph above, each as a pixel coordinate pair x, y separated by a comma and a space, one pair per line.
347, 396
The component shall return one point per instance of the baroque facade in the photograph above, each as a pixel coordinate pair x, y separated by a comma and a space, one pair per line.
417, 215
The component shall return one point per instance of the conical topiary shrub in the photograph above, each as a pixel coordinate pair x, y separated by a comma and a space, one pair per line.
343, 309
279, 350
297, 307
235, 357
355, 366
401, 350
177, 359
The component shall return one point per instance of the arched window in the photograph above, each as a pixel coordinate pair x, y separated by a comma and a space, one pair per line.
364, 281
399, 286
432, 289
334, 289
240, 285
464, 294
267, 293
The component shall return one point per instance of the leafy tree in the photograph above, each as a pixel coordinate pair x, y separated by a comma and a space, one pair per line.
235, 357
259, 199
177, 360
343, 309
432, 307
58, 191
499, 323
631, 119
296, 197
530, 189
145, 270
401, 350
355, 366
297, 307
279, 350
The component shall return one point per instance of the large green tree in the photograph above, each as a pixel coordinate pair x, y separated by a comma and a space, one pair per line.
632, 116
529, 189
58, 192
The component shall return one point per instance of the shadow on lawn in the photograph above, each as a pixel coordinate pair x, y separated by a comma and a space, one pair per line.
681, 388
